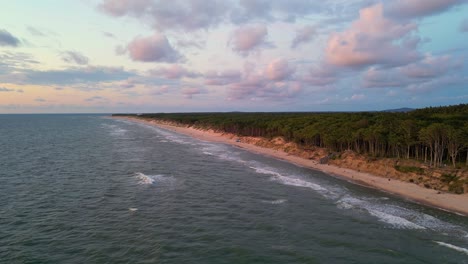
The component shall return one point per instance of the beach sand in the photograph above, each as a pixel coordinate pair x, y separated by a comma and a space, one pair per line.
445, 201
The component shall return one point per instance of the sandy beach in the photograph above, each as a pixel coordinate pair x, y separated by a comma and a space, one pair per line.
445, 201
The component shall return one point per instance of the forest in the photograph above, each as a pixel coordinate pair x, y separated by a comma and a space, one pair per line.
437, 136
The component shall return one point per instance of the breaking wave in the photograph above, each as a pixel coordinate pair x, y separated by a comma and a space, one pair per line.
459, 249
158, 179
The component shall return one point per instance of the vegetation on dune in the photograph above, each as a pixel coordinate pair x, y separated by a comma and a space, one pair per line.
435, 135
428, 147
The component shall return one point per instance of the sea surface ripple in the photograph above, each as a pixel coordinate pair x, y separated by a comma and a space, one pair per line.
91, 189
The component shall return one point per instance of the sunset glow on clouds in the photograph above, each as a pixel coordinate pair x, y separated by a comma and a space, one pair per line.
221, 55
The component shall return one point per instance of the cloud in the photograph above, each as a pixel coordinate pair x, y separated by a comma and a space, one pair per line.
195, 15
421, 75
87, 75
248, 10
418, 8
464, 26
321, 75
123, 7
375, 78
303, 35
355, 97
256, 88
174, 72
7, 39
188, 15
74, 57
222, 78
274, 82
159, 90
17, 59
36, 32
191, 43
373, 39
248, 38
444, 83
431, 66
278, 70
95, 98
4, 89
189, 92
155, 48
108, 34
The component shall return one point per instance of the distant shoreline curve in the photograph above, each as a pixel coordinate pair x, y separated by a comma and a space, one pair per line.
445, 201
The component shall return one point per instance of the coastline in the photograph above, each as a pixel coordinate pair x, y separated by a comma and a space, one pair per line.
456, 203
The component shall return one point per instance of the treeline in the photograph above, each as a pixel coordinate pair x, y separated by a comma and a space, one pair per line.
435, 135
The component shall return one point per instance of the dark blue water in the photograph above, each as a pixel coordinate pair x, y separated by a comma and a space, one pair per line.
89, 189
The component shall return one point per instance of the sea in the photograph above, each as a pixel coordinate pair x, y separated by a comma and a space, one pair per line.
92, 189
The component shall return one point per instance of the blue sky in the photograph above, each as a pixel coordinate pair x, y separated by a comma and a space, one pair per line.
231, 55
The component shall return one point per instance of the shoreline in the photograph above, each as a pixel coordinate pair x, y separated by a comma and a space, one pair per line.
454, 203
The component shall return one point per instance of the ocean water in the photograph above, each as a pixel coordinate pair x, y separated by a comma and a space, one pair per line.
90, 189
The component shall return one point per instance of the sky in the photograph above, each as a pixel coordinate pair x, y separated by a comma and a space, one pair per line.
136, 56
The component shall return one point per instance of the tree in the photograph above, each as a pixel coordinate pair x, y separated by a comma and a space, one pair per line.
454, 143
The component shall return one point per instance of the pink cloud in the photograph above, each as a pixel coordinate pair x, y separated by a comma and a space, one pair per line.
274, 82
418, 8
174, 72
186, 15
123, 7
303, 35
372, 39
321, 75
222, 78
159, 90
248, 38
256, 88
189, 92
155, 48
278, 70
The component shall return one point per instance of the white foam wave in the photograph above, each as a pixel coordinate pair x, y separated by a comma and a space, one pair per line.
394, 220
395, 216
279, 201
299, 183
381, 208
289, 180
220, 152
143, 178
166, 181
459, 249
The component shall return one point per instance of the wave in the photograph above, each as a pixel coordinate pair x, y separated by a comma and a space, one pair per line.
381, 208
459, 249
114, 129
158, 180
289, 179
144, 179
397, 216
394, 220
279, 201
394, 216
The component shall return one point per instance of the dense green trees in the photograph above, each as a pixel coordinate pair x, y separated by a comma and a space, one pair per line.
436, 135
